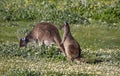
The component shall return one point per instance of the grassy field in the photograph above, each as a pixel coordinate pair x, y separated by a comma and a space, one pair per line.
100, 43
94, 24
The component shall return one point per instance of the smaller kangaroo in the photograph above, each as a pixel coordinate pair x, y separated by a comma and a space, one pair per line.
72, 47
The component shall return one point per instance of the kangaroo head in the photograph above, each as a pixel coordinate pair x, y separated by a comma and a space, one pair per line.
23, 42
64, 26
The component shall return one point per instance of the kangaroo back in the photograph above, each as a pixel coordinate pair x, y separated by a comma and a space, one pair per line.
44, 32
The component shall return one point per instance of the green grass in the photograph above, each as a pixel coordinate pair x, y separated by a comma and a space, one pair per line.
97, 37
100, 41
93, 36
18, 65
56, 11
100, 45
9, 30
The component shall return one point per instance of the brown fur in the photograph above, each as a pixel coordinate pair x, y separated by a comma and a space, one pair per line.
72, 47
43, 32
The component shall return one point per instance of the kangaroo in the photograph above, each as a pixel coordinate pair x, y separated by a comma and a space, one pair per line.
72, 47
45, 33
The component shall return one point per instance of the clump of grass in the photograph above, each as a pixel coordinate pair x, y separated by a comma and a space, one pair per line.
30, 52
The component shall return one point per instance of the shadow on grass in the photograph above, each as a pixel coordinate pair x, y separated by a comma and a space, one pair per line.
97, 57
112, 57
94, 61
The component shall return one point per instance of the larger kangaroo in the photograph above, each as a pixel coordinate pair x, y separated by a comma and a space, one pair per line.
43, 32
72, 47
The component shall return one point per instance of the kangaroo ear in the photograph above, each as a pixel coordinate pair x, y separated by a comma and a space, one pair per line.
65, 22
